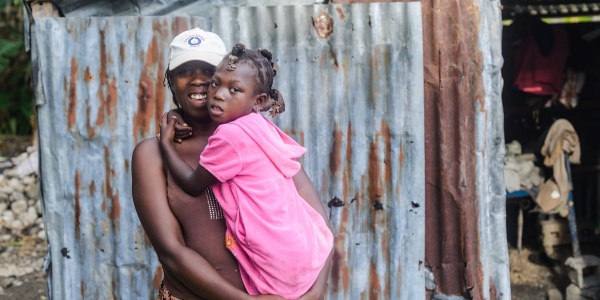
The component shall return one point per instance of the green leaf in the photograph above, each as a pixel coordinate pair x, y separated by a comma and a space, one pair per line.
8, 50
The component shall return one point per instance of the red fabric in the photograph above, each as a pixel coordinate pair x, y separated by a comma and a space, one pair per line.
538, 74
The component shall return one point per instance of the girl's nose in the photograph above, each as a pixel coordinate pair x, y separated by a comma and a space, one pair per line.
217, 93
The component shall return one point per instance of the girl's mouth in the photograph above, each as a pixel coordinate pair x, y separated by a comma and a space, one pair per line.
216, 110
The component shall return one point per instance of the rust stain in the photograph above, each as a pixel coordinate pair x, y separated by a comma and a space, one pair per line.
147, 101
71, 113
115, 209
88, 76
493, 291
179, 25
374, 187
385, 252
334, 156
323, 25
92, 188
144, 111
339, 268
374, 284
340, 12
103, 78
349, 150
82, 289
111, 103
77, 204
127, 165
159, 91
158, 275
114, 290
90, 129
386, 135
103, 57
103, 207
453, 81
108, 187
122, 53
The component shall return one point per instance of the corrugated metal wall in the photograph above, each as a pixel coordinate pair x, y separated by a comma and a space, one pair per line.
466, 246
356, 101
100, 91
354, 98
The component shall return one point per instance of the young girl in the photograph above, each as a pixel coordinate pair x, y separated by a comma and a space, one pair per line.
280, 241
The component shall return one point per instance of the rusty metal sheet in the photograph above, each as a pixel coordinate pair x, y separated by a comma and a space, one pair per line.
99, 90
355, 100
466, 246
352, 79
355, 85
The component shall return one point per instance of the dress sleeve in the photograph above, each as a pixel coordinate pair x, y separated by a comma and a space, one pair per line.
221, 158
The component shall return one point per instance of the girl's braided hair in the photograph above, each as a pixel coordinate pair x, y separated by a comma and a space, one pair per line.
262, 61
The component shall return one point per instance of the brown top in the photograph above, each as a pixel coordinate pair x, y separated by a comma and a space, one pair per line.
203, 227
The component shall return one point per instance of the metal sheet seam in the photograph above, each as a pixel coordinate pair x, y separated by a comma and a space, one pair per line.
490, 158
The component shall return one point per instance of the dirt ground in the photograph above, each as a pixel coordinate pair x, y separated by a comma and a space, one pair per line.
532, 275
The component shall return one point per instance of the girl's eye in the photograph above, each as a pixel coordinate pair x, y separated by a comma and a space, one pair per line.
234, 90
214, 84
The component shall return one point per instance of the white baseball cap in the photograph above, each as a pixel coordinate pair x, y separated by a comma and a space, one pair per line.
196, 44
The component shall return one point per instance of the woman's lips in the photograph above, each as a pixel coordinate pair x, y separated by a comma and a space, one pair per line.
197, 98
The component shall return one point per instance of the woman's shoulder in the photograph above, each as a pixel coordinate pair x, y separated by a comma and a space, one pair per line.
147, 148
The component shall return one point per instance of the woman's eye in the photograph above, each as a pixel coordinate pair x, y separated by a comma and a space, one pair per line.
185, 72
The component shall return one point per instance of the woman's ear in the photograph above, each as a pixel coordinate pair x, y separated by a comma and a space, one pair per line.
260, 101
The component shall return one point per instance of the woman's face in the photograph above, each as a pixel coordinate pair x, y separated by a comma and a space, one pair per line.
232, 94
190, 83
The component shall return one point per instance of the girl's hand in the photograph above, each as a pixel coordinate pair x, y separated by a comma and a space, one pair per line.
167, 130
182, 130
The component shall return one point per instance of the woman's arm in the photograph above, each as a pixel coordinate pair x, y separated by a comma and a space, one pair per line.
149, 193
307, 191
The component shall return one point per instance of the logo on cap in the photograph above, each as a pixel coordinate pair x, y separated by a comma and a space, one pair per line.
194, 40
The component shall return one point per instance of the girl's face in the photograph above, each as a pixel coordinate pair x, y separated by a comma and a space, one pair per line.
190, 83
233, 94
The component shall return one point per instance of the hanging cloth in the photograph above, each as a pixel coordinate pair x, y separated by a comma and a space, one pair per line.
541, 74
560, 140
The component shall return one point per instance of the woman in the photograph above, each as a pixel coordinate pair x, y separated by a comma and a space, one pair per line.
187, 232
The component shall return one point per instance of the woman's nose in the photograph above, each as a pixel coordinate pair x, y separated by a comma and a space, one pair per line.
199, 77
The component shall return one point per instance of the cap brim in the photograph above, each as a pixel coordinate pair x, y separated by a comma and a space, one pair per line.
208, 57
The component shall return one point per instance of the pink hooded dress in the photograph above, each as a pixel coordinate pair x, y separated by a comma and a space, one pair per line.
280, 241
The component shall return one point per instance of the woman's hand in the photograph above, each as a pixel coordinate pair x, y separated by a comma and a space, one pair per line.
182, 130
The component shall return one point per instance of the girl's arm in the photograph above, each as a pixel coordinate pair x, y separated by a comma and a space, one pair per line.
191, 181
309, 194
149, 191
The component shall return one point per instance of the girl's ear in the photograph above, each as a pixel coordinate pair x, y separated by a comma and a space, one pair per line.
260, 101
